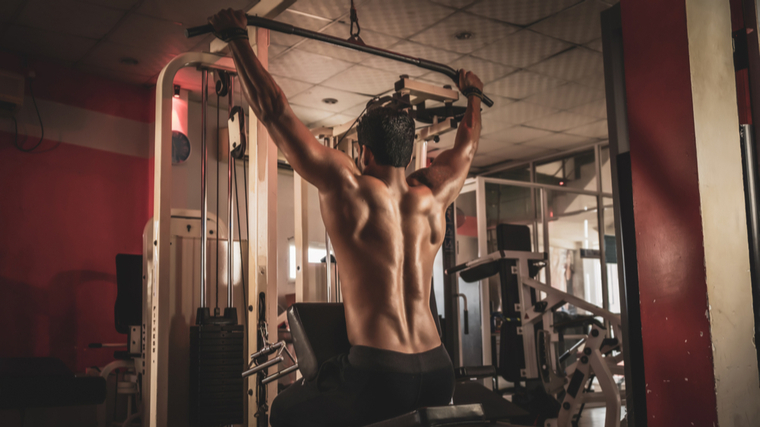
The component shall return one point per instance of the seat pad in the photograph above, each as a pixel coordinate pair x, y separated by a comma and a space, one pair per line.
435, 416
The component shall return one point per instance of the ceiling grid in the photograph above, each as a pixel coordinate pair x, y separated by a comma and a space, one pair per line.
540, 60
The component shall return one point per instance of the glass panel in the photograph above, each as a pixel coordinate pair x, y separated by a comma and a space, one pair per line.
467, 250
606, 170
519, 173
610, 255
509, 204
578, 170
574, 246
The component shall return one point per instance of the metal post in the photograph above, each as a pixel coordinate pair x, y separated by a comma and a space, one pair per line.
230, 238
600, 227
204, 206
545, 222
328, 265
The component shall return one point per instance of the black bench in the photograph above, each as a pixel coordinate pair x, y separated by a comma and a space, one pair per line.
319, 333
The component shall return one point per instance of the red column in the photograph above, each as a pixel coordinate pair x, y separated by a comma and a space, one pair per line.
673, 290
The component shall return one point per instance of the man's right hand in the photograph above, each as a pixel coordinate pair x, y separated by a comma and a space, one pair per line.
468, 79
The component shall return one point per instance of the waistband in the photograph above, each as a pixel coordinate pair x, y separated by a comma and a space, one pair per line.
378, 359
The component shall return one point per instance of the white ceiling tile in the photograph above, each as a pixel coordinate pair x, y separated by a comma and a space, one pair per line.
483, 160
579, 24
522, 84
42, 43
483, 32
306, 67
70, 17
334, 120
296, 20
572, 65
522, 49
594, 130
487, 71
517, 134
363, 80
355, 110
109, 55
400, 18
595, 44
310, 115
567, 96
487, 145
342, 31
147, 32
330, 9
313, 98
275, 50
593, 81
558, 141
520, 12
560, 121
596, 109
518, 152
189, 12
412, 49
291, 87
512, 114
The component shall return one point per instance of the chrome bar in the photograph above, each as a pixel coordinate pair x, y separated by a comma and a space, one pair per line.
204, 204
280, 374
263, 366
230, 234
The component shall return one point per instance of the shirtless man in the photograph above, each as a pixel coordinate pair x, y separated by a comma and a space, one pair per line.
386, 229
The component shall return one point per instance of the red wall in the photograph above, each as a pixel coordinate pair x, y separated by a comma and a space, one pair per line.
673, 290
65, 213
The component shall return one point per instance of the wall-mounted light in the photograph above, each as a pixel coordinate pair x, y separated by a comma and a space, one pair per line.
176, 91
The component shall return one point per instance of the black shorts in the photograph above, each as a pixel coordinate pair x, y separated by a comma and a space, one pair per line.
365, 386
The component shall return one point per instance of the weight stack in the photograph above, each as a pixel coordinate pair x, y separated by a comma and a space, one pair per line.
216, 363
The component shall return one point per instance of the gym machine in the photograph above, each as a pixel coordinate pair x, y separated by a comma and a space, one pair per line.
534, 329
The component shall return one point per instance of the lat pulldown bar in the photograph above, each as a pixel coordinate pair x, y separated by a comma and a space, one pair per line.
280, 27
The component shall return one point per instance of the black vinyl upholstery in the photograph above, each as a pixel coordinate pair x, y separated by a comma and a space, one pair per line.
437, 416
128, 307
319, 333
34, 382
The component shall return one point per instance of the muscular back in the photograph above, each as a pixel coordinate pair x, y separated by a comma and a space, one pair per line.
385, 240
385, 233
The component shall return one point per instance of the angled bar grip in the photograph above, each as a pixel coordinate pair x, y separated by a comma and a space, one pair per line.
280, 374
263, 366
280, 27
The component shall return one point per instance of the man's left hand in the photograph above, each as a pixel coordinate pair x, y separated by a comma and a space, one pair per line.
228, 18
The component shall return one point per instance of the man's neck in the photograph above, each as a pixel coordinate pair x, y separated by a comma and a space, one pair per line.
394, 178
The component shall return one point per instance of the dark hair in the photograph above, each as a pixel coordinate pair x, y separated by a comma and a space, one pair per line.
389, 133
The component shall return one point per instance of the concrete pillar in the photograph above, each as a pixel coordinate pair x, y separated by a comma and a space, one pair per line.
691, 234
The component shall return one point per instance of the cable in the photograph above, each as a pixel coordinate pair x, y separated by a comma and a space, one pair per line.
245, 188
352, 126
42, 128
242, 271
217, 204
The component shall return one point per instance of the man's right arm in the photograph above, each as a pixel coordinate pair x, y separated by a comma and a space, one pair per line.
325, 168
446, 176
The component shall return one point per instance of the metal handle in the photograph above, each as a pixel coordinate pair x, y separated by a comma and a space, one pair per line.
263, 366
466, 315
280, 374
289, 29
